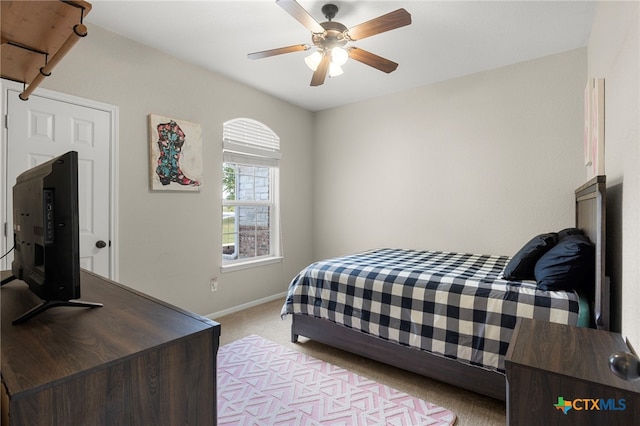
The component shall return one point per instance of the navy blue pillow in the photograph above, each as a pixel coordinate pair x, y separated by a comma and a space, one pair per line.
522, 264
569, 265
569, 231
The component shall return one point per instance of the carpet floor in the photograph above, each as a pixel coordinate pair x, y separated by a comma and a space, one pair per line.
263, 383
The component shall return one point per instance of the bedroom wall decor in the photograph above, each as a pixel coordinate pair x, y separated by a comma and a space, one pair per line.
175, 154
594, 126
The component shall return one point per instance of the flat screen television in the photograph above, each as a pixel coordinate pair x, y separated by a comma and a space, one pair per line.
46, 234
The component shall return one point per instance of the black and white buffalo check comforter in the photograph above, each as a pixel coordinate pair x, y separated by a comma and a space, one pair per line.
452, 304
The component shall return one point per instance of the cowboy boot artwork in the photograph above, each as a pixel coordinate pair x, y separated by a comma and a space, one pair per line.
171, 139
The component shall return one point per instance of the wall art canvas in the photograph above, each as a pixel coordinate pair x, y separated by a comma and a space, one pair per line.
176, 154
594, 126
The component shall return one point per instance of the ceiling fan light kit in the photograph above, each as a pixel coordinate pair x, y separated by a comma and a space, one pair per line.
313, 60
338, 55
330, 38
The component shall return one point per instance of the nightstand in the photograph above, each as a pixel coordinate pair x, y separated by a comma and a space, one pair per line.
559, 375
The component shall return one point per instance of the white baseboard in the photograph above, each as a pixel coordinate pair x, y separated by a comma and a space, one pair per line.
248, 305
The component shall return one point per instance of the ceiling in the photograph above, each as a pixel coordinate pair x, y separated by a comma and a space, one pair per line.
446, 39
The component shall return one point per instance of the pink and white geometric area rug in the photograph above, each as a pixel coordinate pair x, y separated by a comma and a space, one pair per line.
263, 383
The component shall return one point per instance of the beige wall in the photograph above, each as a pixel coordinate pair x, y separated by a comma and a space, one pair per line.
170, 243
477, 164
614, 50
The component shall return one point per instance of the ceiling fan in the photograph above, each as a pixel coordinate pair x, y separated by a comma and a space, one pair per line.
330, 38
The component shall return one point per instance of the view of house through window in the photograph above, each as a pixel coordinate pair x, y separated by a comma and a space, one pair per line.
249, 192
246, 211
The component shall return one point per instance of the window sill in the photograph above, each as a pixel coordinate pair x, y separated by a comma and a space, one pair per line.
237, 266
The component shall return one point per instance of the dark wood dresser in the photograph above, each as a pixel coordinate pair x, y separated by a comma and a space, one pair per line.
551, 365
134, 361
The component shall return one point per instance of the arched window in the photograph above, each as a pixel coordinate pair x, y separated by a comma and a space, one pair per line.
250, 210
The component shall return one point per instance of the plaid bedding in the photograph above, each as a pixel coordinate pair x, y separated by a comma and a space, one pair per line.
452, 304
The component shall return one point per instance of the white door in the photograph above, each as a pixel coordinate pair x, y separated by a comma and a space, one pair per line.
42, 128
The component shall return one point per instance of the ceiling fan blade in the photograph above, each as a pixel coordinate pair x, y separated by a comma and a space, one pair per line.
321, 72
375, 61
278, 51
294, 9
390, 21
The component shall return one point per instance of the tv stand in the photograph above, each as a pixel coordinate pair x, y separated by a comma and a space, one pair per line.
47, 304
136, 360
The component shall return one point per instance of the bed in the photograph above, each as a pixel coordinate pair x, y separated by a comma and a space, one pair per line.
450, 316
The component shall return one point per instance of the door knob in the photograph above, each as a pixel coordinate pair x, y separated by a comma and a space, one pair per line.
101, 244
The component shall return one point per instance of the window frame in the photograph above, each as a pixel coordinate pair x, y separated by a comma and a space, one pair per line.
239, 151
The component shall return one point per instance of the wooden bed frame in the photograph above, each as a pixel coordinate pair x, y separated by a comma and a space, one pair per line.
590, 201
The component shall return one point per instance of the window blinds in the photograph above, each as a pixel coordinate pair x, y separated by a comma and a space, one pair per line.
248, 141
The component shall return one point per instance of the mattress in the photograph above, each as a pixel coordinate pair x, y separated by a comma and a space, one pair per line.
451, 304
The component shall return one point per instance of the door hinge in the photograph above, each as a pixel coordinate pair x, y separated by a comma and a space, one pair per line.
6, 121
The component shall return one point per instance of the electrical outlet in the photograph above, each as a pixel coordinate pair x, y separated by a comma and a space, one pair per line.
214, 284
